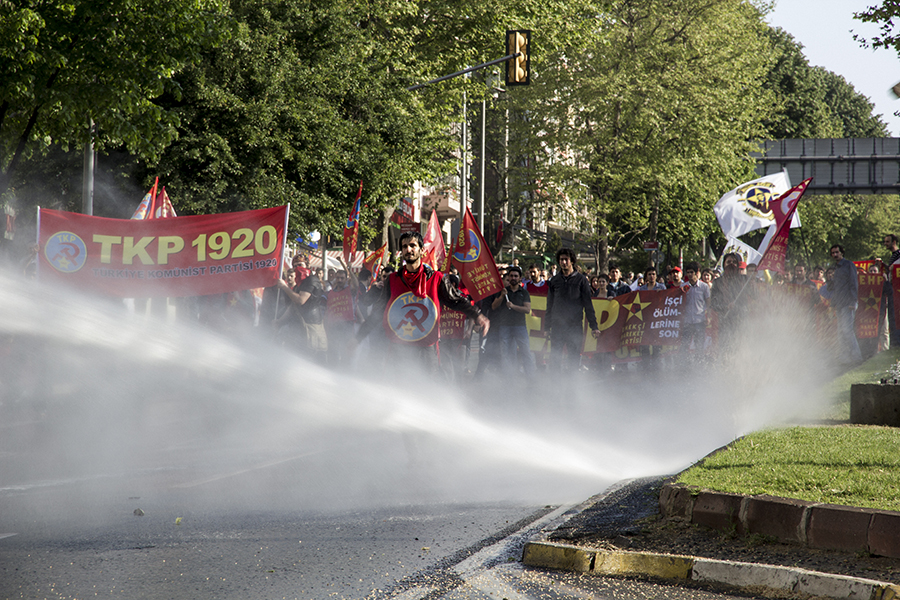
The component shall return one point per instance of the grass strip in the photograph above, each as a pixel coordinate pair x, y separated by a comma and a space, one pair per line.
851, 465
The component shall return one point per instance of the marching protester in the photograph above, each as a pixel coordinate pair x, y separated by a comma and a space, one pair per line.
603, 288
725, 298
307, 317
693, 322
509, 310
456, 334
535, 278
650, 282
617, 287
674, 278
842, 291
410, 306
887, 335
342, 313
568, 304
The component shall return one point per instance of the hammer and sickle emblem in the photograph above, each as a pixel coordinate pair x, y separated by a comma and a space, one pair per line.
415, 316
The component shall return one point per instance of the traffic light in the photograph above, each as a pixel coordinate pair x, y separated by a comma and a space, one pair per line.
518, 70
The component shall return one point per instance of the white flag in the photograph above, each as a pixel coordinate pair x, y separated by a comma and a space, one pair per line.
748, 254
746, 207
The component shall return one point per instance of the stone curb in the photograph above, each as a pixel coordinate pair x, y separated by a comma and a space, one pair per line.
825, 526
565, 557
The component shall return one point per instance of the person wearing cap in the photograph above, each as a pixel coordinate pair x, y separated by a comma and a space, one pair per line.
674, 279
508, 313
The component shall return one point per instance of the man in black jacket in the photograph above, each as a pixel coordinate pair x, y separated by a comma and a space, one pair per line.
568, 303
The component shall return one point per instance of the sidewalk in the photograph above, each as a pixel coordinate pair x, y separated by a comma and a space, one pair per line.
580, 541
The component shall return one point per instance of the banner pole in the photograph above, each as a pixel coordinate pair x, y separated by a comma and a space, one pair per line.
37, 244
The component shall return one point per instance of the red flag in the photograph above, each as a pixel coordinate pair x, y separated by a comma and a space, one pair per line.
351, 229
373, 262
163, 208
499, 232
435, 253
783, 210
477, 269
145, 208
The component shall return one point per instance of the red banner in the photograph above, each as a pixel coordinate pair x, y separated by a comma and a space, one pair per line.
476, 265
869, 305
435, 253
648, 318
340, 305
783, 209
181, 256
895, 286
453, 325
373, 263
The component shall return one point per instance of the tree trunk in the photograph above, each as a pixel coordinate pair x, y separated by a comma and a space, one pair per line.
602, 247
654, 227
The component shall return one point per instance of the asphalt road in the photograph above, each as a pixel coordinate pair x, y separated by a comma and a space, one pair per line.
199, 524
414, 552
145, 460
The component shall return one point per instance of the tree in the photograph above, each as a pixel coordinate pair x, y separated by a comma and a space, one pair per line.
812, 102
65, 65
815, 103
653, 108
858, 223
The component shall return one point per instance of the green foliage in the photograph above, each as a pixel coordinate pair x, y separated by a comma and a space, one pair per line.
858, 223
65, 64
811, 102
883, 15
647, 107
651, 108
307, 100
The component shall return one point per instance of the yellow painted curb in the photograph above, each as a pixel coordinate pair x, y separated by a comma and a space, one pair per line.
564, 557
641, 563
558, 556
887, 592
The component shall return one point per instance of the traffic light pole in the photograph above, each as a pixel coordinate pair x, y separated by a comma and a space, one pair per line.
466, 70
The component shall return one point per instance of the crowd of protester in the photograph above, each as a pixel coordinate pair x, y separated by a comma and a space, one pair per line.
319, 314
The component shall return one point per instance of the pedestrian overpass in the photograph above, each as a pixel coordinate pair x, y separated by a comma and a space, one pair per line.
837, 166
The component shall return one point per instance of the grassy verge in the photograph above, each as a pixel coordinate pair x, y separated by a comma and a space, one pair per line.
845, 464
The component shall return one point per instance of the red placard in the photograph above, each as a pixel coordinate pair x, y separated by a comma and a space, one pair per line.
180, 256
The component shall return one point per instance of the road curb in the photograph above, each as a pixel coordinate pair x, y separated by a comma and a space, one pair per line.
567, 557
816, 525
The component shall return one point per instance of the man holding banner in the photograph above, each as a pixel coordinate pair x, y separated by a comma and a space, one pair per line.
409, 307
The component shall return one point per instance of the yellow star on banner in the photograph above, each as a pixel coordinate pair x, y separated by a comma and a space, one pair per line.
636, 307
871, 301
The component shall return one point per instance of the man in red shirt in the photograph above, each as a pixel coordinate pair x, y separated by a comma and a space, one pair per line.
410, 305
